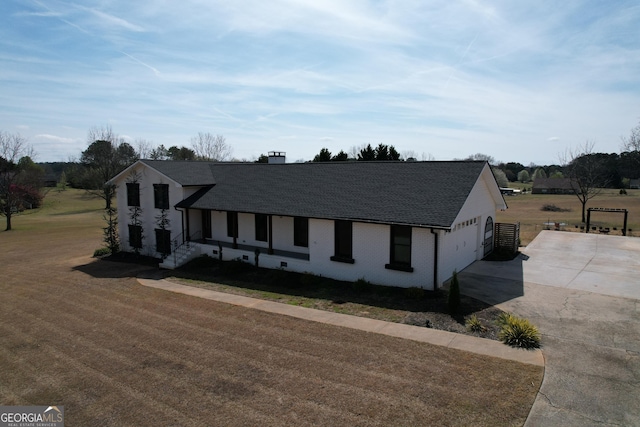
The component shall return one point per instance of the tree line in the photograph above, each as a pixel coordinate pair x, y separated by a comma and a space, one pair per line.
107, 154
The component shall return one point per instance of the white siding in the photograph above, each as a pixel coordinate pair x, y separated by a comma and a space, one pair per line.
147, 177
464, 244
371, 246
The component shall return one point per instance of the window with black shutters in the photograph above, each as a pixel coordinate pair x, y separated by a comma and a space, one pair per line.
343, 241
133, 194
161, 196
261, 227
232, 224
301, 231
163, 241
400, 251
135, 236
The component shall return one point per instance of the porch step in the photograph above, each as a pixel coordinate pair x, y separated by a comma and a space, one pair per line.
181, 257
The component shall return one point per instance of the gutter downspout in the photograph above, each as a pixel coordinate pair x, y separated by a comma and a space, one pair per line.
181, 219
435, 259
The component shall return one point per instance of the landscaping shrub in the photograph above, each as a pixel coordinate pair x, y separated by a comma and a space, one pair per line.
414, 293
504, 318
474, 324
361, 285
236, 266
454, 295
101, 252
518, 332
310, 280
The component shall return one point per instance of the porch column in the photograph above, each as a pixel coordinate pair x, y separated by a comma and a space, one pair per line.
188, 236
270, 234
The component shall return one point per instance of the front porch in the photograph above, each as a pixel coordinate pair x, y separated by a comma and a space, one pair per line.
192, 248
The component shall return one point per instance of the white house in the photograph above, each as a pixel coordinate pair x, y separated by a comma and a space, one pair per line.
392, 223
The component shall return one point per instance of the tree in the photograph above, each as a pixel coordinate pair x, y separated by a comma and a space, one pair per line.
262, 159
479, 156
105, 157
557, 175
182, 153
143, 148
393, 154
501, 177
367, 153
539, 173
453, 300
16, 187
110, 232
340, 157
159, 153
523, 176
584, 170
382, 152
323, 156
632, 142
211, 148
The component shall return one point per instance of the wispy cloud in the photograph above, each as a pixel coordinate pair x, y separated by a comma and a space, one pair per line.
155, 70
446, 77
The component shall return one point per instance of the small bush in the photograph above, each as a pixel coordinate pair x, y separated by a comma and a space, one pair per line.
310, 280
281, 278
518, 332
504, 318
361, 285
474, 324
236, 266
454, 295
101, 252
414, 293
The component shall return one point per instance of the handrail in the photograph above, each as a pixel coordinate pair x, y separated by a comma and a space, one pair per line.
181, 246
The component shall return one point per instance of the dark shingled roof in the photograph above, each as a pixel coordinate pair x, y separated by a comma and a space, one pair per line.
184, 172
426, 194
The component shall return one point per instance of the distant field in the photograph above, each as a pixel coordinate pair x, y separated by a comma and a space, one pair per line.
527, 210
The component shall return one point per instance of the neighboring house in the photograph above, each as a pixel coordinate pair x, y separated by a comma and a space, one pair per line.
634, 183
552, 186
391, 223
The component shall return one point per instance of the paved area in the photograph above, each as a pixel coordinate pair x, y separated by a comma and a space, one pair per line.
416, 333
583, 292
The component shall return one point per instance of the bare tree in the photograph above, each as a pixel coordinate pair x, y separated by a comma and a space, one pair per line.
13, 148
632, 143
584, 170
105, 157
354, 150
211, 148
480, 156
143, 148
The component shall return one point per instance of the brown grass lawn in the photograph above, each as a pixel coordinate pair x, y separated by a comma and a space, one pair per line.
527, 209
82, 333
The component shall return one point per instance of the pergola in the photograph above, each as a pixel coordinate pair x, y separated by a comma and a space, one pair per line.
626, 214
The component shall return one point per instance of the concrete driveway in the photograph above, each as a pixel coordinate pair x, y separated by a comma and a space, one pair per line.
583, 292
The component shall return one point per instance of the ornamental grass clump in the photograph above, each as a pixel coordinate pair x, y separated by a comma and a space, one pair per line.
474, 324
518, 332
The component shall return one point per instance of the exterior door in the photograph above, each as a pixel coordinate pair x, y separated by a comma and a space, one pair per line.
488, 236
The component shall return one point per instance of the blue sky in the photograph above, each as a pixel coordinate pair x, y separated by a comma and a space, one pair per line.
520, 81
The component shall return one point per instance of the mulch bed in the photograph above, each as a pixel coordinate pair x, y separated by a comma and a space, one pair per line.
410, 306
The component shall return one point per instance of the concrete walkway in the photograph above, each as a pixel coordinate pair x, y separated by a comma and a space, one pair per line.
432, 336
582, 292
